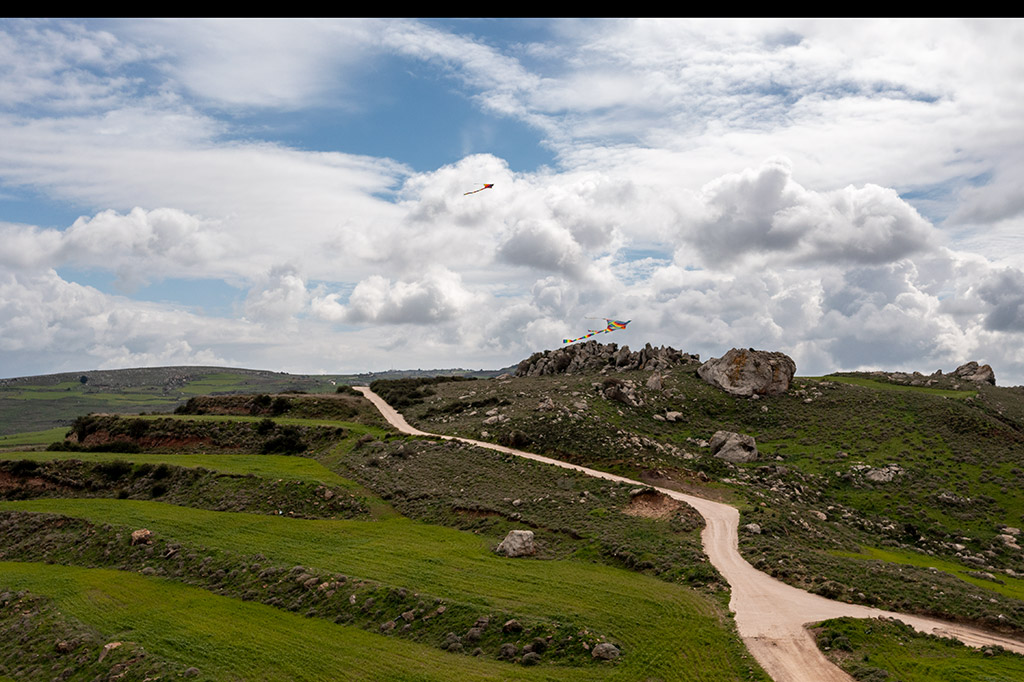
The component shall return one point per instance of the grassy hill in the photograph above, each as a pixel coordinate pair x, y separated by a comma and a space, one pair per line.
866, 490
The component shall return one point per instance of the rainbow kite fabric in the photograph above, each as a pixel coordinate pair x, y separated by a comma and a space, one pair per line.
613, 325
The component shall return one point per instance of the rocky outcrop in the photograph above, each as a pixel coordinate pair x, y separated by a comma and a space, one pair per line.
972, 371
517, 543
592, 356
749, 372
733, 447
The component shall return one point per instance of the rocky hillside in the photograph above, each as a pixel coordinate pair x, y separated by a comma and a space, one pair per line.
898, 490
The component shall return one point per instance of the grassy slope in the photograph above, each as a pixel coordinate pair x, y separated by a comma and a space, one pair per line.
228, 639
880, 651
642, 613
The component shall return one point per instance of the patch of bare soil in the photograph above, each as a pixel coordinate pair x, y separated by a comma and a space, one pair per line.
32, 484
684, 482
651, 504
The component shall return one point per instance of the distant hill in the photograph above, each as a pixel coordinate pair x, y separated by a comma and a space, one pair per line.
36, 403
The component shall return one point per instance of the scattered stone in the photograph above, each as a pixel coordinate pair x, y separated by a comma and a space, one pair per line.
752, 528
508, 651
749, 372
517, 543
736, 448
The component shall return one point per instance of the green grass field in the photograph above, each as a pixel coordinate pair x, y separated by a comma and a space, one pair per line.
886, 651
1010, 587
228, 639
667, 632
265, 466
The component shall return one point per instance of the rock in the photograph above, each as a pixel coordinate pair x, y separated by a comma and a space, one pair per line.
749, 372
673, 416
605, 651
530, 658
971, 371
620, 391
547, 404
884, 474
143, 536
517, 543
452, 642
512, 627
752, 528
1008, 540
107, 648
736, 448
508, 651
655, 382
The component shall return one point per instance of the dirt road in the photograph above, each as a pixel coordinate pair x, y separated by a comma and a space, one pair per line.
770, 615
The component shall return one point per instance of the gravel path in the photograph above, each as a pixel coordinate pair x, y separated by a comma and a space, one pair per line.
770, 615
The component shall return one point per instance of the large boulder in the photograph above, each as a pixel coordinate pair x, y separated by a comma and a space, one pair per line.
733, 447
747, 372
517, 543
605, 651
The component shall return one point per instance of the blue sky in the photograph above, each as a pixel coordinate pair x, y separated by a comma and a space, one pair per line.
289, 194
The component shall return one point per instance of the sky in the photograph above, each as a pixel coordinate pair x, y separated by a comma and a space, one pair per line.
289, 194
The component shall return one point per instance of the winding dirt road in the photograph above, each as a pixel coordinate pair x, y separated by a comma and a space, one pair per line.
770, 615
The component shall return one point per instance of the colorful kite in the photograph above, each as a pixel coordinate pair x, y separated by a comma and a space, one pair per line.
480, 190
613, 325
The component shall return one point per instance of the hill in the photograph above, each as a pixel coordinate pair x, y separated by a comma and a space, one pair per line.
36, 403
894, 490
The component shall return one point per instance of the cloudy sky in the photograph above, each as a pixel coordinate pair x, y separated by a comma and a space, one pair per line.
289, 194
